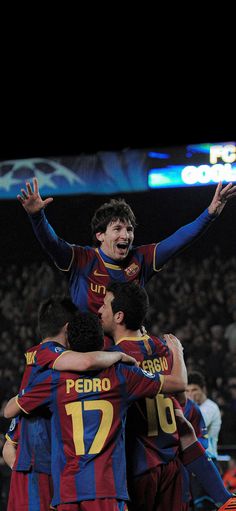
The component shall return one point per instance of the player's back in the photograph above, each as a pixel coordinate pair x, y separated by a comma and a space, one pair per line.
152, 436
88, 430
34, 435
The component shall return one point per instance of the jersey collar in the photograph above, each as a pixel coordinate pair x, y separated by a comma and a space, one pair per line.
107, 261
144, 337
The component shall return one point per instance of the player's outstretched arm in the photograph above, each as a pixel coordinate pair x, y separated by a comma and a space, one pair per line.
177, 380
59, 250
184, 236
221, 197
31, 199
94, 360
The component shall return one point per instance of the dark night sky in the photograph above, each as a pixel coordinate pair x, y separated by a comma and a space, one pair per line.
76, 123
55, 137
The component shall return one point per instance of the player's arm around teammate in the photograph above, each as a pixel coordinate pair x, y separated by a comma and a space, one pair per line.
72, 361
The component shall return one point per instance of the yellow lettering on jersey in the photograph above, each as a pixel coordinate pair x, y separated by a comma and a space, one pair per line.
30, 357
79, 385
155, 365
160, 414
97, 289
77, 410
69, 385
97, 384
88, 385
144, 365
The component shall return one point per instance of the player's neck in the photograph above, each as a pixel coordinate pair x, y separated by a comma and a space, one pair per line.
124, 333
59, 339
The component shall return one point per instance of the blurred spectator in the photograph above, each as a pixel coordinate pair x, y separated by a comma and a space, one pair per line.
197, 391
230, 333
229, 477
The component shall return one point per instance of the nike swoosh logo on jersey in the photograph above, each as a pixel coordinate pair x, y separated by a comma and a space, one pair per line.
97, 274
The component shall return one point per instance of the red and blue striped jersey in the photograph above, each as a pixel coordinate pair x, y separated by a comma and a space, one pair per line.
152, 435
34, 435
91, 272
194, 415
88, 427
13, 433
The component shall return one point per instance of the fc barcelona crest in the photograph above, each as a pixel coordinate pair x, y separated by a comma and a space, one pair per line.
132, 269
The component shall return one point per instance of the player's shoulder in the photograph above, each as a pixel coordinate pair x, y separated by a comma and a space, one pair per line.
53, 346
191, 406
34, 348
85, 249
84, 253
143, 249
159, 343
121, 369
132, 370
45, 345
116, 347
157, 339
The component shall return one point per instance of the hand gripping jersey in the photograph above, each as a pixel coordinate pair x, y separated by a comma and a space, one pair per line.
88, 427
152, 436
33, 434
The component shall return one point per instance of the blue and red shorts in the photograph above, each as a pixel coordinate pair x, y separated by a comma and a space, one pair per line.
160, 489
95, 505
30, 491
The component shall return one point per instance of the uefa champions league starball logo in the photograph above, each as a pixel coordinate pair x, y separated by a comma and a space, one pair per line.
148, 374
51, 174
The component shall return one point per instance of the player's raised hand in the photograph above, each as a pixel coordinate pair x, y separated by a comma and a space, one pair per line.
173, 343
127, 359
221, 196
31, 200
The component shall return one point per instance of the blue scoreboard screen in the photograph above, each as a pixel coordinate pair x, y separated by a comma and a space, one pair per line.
193, 165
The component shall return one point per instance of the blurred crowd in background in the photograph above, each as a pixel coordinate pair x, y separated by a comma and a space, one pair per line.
194, 299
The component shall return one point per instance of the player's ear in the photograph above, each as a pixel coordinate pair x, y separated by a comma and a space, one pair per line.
119, 317
100, 236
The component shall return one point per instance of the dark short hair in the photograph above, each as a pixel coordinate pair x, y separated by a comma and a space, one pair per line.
115, 209
53, 314
85, 332
132, 300
196, 378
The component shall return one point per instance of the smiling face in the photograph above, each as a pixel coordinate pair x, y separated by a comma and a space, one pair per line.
117, 239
